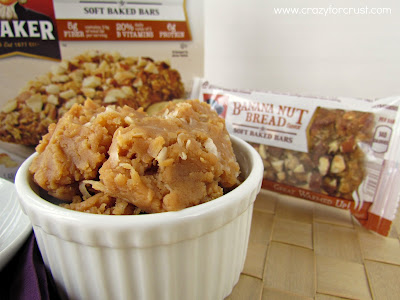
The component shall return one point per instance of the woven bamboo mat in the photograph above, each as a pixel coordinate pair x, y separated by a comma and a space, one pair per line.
299, 249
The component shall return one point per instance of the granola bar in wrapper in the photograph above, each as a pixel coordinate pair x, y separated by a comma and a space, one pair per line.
342, 152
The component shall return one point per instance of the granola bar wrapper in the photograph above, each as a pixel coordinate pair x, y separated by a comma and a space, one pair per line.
341, 152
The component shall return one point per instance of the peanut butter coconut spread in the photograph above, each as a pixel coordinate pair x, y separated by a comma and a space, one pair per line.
118, 160
106, 78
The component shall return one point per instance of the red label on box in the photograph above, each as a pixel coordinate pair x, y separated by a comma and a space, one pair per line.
119, 20
97, 30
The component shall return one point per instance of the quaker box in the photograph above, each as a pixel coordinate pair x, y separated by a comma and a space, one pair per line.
54, 53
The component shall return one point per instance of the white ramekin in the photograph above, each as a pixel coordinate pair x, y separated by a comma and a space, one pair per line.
195, 253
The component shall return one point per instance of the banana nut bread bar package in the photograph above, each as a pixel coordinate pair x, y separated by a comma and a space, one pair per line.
55, 53
340, 152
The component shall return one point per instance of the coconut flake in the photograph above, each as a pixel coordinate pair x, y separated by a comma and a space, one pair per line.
210, 147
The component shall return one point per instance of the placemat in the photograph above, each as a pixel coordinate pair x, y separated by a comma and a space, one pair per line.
299, 249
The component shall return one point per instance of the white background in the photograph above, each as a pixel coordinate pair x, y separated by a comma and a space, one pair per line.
247, 45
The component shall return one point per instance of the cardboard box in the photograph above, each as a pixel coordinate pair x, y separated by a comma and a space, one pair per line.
36, 36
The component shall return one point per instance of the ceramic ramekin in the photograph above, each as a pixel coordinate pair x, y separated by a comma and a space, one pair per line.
195, 253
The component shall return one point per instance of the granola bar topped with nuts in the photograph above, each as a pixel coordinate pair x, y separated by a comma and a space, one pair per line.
106, 78
334, 164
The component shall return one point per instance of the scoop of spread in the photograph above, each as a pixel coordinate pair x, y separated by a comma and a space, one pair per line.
120, 160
